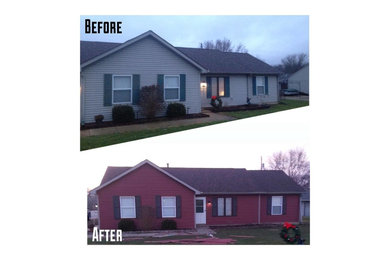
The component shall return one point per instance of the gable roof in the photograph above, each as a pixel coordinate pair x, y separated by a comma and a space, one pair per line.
100, 53
223, 180
220, 62
115, 173
208, 61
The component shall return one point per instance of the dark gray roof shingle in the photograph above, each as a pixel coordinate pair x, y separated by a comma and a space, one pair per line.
225, 180
89, 50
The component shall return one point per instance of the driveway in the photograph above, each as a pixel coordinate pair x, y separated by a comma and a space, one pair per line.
213, 117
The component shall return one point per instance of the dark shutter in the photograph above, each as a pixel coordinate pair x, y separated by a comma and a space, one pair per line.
160, 84
269, 205
266, 85
107, 90
254, 85
178, 206
284, 212
227, 87
158, 206
234, 206
182, 87
138, 206
117, 207
208, 80
215, 207
136, 87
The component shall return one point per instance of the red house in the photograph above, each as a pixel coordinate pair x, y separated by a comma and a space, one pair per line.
194, 196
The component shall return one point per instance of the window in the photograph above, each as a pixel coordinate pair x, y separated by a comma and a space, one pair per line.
224, 206
260, 85
228, 206
218, 86
121, 89
277, 205
171, 88
168, 206
127, 205
199, 206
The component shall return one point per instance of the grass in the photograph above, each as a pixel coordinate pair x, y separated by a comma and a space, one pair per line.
261, 235
256, 236
283, 105
91, 142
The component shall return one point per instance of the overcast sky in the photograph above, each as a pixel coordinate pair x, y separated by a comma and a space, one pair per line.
269, 38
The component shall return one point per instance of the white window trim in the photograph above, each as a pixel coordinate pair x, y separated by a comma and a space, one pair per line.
130, 207
272, 205
162, 206
178, 99
131, 89
258, 85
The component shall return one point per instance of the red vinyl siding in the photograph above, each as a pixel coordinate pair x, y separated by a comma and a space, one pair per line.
146, 182
292, 214
247, 211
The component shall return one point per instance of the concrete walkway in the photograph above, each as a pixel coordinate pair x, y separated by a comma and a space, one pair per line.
213, 117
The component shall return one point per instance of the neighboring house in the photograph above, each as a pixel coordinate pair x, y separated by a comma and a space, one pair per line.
194, 196
113, 73
305, 204
300, 80
92, 206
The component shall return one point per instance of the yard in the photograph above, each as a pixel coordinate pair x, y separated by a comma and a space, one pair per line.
249, 235
90, 142
285, 104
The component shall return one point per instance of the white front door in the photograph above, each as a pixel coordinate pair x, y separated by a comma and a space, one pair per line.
200, 210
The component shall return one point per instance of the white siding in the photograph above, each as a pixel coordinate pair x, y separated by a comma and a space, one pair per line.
241, 88
147, 58
300, 80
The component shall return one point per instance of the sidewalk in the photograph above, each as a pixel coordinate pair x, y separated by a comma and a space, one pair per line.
213, 117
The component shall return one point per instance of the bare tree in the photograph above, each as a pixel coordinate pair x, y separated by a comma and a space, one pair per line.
224, 45
294, 163
293, 63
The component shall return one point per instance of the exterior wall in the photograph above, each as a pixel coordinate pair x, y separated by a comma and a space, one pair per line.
305, 208
292, 214
300, 80
146, 182
273, 92
247, 211
241, 88
146, 57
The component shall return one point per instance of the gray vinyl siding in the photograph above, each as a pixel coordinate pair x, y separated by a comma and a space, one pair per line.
148, 58
241, 88
300, 80
272, 96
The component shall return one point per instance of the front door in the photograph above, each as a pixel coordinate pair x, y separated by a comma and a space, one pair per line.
200, 210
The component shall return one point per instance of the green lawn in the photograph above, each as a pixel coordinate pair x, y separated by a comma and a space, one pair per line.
91, 142
283, 105
144, 240
260, 236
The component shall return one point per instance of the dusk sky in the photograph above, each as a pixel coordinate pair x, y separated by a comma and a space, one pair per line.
269, 38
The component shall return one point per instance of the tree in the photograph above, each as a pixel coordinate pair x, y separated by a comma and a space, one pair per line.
294, 163
293, 63
224, 45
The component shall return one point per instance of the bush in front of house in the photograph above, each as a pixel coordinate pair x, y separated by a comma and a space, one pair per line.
168, 224
99, 119
126, 225
151, 100
122, 114
176, 109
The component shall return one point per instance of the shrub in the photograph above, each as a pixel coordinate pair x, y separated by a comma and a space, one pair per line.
151, 100
176, 109
99, 119
122, 114
168, 224
126, 225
